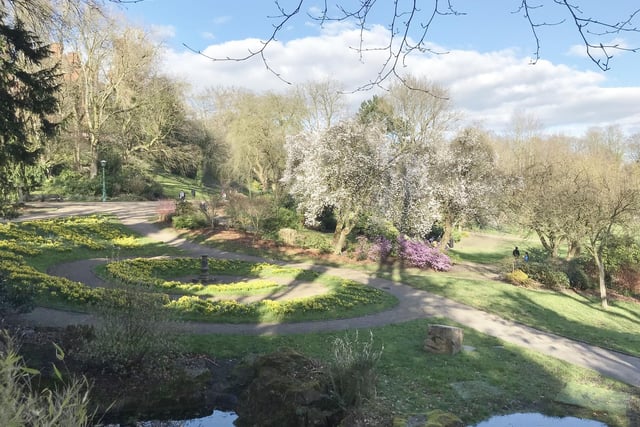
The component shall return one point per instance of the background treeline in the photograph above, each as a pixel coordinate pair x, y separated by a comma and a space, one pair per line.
79, 85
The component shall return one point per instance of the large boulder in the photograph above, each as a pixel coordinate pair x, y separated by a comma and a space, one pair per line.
286, 389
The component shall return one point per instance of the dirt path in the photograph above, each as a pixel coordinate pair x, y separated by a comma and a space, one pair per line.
413, 303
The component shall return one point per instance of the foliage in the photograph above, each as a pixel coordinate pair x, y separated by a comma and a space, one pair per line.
66, 405
94, 232
14, 297
422, 255
518, 277
380, 249
192, 221
27, 102
621, 251
282, 218
467, 181
249, 213
132, 335
353, 370
548, 274
341, 168
581, 273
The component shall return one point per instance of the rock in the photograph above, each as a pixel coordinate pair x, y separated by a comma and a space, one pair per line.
443, 339
286, 389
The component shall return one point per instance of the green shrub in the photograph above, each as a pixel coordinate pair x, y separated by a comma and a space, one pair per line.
15, 298
315, 240
578, 273
9, 211
282, 218
193, 221
547, 274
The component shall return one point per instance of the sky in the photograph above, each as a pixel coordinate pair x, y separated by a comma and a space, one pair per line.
483, 56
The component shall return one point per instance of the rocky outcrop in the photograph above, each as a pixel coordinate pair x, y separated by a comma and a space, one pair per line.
285, 389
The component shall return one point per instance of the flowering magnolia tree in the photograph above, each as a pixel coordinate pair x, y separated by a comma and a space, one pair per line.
342, 168
465, 180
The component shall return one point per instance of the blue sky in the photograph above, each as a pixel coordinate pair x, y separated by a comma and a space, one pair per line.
487, 68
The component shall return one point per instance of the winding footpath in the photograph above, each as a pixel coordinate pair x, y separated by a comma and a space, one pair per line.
413, 303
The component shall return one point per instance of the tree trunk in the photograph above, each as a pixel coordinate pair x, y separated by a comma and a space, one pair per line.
603, 289
446, 235
573, 250
93, 168
549, 243
343, 228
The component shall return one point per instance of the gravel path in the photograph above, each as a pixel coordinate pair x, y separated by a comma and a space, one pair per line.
413, 303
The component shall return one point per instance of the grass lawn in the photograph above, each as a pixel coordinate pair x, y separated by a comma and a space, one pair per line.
568, 314
172, 185
494, 378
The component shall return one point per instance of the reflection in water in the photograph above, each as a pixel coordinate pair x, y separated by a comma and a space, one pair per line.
537, 420
217, 419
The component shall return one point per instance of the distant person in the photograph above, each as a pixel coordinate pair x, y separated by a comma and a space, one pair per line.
181, 196
526, 257
516, 253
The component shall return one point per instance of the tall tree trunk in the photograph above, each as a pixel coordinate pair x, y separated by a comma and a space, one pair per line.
447, 233
343, 228
603, 289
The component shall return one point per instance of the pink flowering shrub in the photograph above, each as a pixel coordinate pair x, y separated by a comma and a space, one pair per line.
380, 249
422, 255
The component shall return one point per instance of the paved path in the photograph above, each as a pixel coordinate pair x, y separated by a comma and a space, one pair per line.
413, 303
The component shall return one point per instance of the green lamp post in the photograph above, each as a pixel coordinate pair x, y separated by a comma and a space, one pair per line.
103, 163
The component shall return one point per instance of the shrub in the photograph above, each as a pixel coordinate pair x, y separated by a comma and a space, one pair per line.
132, 335
362, 248
191, 222
547, 274
9, 211
578, 273
422, 255
15, 298
380, 249
282, 218
352, 370
517, 277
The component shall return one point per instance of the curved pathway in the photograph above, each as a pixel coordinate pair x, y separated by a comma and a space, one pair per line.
413, 303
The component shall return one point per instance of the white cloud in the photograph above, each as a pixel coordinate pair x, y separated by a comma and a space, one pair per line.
486, 87
219, 20
162, 32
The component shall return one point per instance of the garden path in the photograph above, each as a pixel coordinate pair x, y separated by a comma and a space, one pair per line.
413, 303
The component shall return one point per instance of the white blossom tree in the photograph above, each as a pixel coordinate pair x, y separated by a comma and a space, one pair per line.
342, 168
466, 180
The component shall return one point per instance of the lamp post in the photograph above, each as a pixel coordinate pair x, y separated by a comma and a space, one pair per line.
103, 163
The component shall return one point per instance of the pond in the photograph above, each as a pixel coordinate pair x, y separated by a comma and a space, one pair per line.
537, 420
217, 419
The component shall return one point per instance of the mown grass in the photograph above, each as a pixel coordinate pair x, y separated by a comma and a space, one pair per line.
173, 184
569, 314
496, 377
